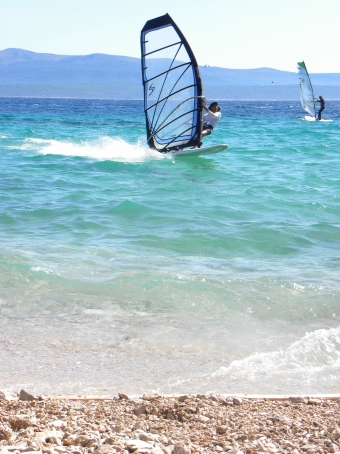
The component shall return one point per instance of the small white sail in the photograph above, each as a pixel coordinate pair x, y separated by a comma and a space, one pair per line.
306, 90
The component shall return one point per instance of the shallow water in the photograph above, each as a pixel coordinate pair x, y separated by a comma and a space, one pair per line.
126, 270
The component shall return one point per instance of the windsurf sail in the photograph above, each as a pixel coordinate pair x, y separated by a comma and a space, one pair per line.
306, 90
173, 93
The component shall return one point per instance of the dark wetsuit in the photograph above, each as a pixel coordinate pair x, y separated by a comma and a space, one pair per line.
322, 106
207, 127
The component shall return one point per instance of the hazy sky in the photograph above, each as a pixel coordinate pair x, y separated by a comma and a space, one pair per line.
226, 33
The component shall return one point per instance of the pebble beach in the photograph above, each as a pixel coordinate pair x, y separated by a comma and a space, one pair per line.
158, 424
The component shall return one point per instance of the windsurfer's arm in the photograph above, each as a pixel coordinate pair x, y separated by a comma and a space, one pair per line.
216, 115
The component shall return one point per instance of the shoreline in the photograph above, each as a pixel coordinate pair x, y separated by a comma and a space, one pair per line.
266, 397
169, 424
8, 395
24, 395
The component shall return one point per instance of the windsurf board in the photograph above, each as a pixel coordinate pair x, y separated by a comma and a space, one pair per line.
199, 151
308, 118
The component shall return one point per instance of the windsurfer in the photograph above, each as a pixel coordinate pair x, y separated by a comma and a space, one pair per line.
211, 117
322, 106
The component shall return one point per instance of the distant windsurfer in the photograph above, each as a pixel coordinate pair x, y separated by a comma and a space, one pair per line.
322, 106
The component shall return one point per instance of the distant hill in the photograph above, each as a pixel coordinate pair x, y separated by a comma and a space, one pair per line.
19, 66
26, 73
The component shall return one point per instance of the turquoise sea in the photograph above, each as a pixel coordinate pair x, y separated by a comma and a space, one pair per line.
125, 270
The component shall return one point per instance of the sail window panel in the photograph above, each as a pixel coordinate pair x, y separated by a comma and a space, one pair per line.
177, 84
172, 122
169, 115
165, 43
165, 59
159, 39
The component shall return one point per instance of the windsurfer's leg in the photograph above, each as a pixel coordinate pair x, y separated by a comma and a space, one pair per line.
319, 116
199, 145
207, 130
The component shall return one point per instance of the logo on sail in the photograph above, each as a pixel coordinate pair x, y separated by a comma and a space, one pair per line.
151, 89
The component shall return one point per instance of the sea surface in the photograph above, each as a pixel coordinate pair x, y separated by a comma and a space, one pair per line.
125, 270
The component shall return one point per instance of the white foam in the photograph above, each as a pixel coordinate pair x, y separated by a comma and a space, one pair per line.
104, 149
317, 353
44, 270
93, 311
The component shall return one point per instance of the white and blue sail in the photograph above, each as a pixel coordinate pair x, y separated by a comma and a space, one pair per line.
306, 90
173, 93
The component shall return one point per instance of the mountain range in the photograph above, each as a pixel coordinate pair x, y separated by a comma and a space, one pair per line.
26, 73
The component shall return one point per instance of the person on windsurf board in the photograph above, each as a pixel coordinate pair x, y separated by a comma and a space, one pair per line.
211, 117
322, 106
